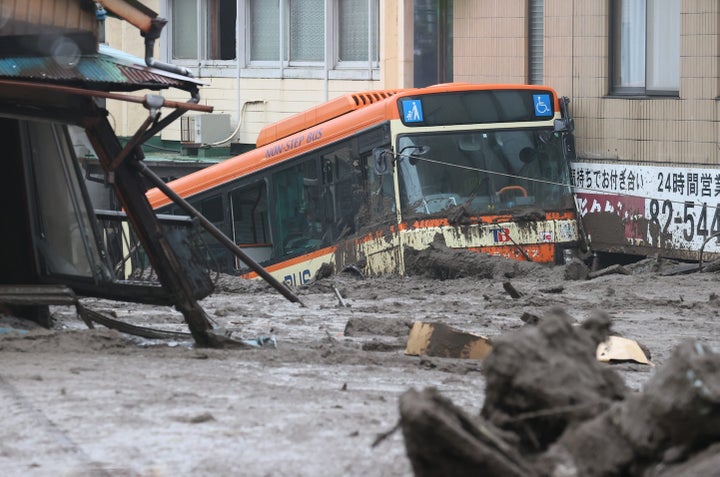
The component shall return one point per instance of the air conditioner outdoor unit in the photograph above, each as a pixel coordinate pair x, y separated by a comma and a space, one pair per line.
204, 128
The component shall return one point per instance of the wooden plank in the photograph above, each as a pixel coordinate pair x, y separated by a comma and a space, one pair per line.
37, 295
439, 339
618, 349
27, 17
21, 12
34, 11
46, 14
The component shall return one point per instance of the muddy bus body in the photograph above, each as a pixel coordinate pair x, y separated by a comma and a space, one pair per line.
357, 181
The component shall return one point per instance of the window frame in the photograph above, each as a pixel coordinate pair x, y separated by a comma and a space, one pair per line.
198, 66
615, 57
265, 229
373, 38
331, 67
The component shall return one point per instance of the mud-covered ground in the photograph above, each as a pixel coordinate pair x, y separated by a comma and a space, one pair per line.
81, 402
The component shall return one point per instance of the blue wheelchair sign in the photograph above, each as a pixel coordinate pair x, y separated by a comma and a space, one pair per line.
543, 106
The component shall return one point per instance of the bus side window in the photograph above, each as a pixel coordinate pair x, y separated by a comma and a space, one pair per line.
357, 197
299, 211
213, 209
345, 190
250, 225
379, 193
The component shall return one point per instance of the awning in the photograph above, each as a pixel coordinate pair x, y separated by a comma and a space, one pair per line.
107, 70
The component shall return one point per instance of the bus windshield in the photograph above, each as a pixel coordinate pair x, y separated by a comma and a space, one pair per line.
483, 171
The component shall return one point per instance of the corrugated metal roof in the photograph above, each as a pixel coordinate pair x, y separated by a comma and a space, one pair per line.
109, 69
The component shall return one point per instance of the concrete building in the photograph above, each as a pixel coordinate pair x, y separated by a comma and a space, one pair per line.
643, 76
644, 80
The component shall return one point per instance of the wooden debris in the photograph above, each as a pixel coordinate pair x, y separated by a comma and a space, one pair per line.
438, 339
618, 349
511, 290
612, 269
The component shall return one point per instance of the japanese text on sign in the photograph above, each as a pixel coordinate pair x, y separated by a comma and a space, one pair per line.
669, 207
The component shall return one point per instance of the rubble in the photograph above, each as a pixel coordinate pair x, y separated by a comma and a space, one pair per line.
552, 409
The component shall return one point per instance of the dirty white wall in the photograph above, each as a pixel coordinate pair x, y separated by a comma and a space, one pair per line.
271, 99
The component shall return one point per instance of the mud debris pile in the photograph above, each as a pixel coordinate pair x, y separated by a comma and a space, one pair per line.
552, 410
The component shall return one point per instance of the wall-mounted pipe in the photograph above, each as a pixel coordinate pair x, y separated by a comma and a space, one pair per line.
150, 36
240, 122
150, 25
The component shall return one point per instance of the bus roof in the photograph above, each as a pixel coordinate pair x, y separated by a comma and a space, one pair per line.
320, 114
321, 125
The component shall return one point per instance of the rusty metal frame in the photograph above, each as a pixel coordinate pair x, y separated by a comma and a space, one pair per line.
178, 105
129, 189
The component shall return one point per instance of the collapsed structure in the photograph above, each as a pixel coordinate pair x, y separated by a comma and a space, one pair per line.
55, 77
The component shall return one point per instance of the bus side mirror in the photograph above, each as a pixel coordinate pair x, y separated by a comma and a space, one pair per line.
382, 160
416, 151
564, 125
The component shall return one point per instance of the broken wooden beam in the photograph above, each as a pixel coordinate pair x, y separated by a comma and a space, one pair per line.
441, 340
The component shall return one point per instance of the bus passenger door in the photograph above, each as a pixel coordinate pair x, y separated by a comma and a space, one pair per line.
250, 223
340, 186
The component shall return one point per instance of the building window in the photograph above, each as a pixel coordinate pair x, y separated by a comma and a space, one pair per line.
337, 39
357, 24
203, 29
646, 47
433, 42
264, 29
307, 33
306, 27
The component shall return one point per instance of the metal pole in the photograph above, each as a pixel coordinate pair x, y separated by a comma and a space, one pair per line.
102, 94
217, 233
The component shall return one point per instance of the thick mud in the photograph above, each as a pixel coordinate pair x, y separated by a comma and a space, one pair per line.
330, 393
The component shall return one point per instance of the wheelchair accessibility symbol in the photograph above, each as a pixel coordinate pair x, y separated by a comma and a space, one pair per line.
542, 105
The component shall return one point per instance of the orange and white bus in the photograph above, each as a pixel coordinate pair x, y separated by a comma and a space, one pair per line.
359, 180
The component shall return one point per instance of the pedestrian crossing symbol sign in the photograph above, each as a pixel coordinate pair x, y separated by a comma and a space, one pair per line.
412, 111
